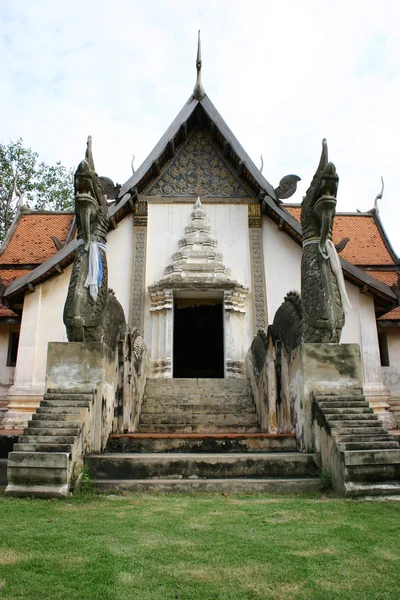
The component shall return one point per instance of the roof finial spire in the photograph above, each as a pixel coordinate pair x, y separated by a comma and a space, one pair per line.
198, 91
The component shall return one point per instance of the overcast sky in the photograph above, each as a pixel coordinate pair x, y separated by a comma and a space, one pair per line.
283, 74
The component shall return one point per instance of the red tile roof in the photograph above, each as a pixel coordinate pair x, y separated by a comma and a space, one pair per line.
393, 315
31, 242
388, 277
7, 313
366, 245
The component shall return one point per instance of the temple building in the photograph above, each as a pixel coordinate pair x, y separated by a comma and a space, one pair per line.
202, 250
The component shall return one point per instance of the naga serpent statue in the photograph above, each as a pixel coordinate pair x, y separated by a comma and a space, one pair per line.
91, 311
317, 316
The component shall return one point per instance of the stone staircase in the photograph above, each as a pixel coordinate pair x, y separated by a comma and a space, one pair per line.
368, 456
51, 447
202, 435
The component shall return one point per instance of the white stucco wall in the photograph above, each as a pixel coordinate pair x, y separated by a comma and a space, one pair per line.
229, 225
42, 317
119, 260
6, 373
41, 323
393, 340
282, 264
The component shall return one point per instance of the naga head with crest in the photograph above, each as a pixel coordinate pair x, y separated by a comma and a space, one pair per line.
91, 311
90, 201
319, 204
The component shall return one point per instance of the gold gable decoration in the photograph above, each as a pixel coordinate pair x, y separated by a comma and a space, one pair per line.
199, 170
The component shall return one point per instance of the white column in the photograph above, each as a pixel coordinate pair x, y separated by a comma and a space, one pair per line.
375, 392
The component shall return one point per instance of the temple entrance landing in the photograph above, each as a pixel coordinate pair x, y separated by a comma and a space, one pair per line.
198, 347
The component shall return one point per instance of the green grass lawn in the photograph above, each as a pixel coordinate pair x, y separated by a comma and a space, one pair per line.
139, 547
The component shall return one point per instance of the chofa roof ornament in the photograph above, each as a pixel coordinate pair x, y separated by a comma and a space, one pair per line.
379, 196
199, 91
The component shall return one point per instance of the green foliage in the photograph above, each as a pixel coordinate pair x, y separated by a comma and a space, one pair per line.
43, 187
205, 547
326, 480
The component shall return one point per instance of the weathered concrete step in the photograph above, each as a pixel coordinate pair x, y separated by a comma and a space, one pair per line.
352, 418
166, 402
329, 411
344, 404
211, 396
374, 457
198, 385
211, 382
44, 490
51, 460
341, 398
201, 428
348, 430
21, 447
74, 394
61, 410
372, 472
361, 489
370, 437
214, 466
46, 439
199, 419
52, 431
66, 403
51, 417
354, 423
135, 443
187, 410
229, 486
28, 468
375, 445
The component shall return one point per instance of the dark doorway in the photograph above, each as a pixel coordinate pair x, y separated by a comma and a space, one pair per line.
198, 340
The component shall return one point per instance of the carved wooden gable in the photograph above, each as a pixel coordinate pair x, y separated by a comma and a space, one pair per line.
199, 169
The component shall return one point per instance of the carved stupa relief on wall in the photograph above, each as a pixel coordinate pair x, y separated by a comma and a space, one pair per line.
197, 267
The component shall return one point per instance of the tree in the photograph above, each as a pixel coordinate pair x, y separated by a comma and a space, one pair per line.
25, 180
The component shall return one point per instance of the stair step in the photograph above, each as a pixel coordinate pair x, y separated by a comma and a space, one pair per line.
74, 394
199, 419
194, 465
49, 460
355, 423
370, 437
330, 411
66, 403
46, 439
346, 430
341, 398
52, 431
234, 384
197, 395
342, 404
22, 447
372, 457
371, 445
42, 490
384, 488
50, 418
135, 443
352, 418
61, 410
190, 428
188, 410
226, 486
